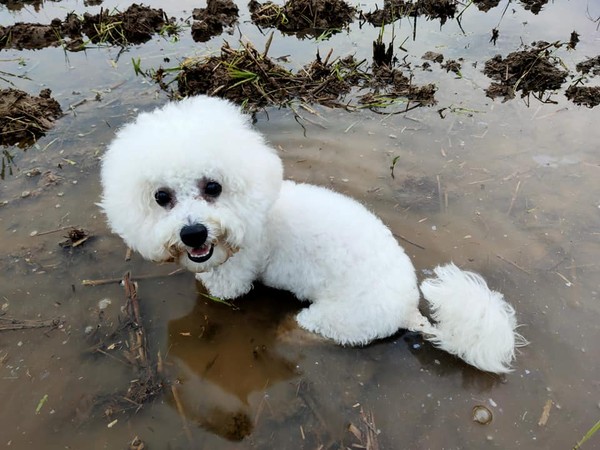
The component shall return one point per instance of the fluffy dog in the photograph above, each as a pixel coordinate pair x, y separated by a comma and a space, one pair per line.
193, 182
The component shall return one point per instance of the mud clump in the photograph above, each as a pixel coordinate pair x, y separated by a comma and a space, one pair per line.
211, 21
310, 16
590, 66
486, 5
535, 6
33, 36
584, 95
533, 70
453, 65
396, 9
24, 118
248, 77
389, 84
135, 25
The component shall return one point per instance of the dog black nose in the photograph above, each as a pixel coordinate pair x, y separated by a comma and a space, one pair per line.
194, 235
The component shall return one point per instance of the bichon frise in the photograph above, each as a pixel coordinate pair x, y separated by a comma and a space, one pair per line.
193, 182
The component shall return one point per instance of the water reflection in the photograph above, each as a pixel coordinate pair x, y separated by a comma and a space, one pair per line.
225, 354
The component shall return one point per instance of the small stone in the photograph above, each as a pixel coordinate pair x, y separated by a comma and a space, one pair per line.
482, 415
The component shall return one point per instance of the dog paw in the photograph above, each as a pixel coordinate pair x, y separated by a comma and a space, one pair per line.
289, 332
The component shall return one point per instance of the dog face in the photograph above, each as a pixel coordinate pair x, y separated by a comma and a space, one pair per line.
190, 182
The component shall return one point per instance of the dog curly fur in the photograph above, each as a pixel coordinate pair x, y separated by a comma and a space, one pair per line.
322, 246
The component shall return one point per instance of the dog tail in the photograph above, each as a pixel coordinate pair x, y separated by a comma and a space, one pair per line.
470, 320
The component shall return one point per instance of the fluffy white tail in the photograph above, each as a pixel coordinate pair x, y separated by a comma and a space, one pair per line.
471, 321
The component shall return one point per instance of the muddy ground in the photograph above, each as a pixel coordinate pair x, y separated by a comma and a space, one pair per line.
24, 118
136, 25
308, 17
248, 77
519, 182
212, 20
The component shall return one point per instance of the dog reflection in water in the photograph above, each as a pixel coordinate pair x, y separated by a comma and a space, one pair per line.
226, 359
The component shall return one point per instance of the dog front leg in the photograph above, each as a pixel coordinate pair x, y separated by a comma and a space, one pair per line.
228, 282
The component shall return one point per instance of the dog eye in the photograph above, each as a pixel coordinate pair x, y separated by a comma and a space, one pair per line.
213, 189
163, 197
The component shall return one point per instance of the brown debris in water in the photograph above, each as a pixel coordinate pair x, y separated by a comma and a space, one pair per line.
584, 95
24, 118
589, 66
389, 84
248, 77
453, 65
34, 36
75, 237
211, 21
366, 433
486, 5
10, 323
535, 6
396, 9
533, 70
130, 339
302, 15
135, 25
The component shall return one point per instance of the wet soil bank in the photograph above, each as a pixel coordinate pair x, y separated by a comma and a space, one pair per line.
24, 118
249, 77
136, 25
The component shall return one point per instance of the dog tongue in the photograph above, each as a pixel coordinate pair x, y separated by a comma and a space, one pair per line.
200, 251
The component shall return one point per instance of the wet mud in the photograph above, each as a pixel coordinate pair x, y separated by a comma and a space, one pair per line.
584, 95
248, 77
136, 25
226, 377
212, 20
304, 16
535, 6
396, 9
590, 66
24, 118
531, 71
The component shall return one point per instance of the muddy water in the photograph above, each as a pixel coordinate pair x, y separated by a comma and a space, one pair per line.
507, 189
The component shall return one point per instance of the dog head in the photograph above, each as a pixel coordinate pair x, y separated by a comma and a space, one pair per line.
190, 182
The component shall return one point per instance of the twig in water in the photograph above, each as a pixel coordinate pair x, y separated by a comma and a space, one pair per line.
513, 264
181, 412
514, 197
102, 282
399, 236
7, 324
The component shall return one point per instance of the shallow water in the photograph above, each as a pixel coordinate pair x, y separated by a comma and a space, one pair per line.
509, 190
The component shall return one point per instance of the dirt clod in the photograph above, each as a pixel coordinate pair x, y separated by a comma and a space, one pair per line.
75, 237
452, 65
584, 95
396, 9
248, 77
535, 6
25, 118
211, 21
135, 25
533, 70
486, 5
433, 56
307, 16
589, 66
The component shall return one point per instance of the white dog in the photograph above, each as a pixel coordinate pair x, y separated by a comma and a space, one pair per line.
195, 183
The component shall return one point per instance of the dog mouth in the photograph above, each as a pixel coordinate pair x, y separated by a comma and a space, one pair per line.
201, 254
